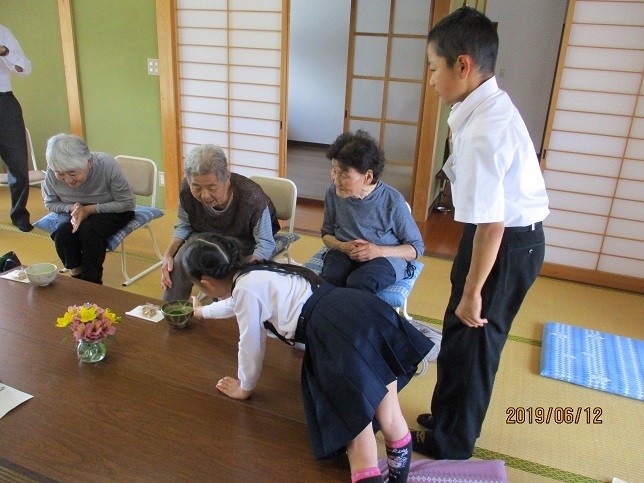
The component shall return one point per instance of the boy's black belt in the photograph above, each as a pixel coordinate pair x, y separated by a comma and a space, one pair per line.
519, 229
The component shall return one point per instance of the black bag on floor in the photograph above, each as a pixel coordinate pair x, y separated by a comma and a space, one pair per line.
9, 261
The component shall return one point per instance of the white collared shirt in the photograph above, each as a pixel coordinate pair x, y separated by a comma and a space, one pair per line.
261, 296
9, 62
493, 168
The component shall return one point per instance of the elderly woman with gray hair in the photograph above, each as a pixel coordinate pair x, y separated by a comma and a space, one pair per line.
93, 200
214, 200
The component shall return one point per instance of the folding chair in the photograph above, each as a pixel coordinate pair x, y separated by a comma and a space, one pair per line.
141, 173
36, 176
283, 194
395, 295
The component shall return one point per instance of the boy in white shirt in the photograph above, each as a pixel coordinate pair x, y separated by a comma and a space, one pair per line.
499, 193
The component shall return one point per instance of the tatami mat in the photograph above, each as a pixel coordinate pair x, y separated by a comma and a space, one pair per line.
556, 451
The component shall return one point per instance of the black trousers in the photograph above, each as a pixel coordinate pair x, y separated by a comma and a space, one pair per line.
13, 151
469, 357
372, 276
86, 248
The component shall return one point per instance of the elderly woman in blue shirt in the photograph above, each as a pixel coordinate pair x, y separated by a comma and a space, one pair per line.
367, 226
93, 200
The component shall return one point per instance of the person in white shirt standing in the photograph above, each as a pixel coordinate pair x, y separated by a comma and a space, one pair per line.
499, 193
13, 140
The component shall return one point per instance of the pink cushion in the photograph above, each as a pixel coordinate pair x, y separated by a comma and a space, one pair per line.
453, 471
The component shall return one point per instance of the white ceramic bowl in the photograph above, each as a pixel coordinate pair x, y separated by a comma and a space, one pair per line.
41, 274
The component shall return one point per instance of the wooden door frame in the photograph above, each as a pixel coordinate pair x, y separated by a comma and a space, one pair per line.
423, 174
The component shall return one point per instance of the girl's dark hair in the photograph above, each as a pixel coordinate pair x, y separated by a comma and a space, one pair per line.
466, 31
218, 256
359, 151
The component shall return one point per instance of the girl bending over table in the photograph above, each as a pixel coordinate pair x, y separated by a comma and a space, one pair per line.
359, 351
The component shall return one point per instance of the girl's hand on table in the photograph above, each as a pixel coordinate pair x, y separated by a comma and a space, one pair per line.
231, 387
197, 307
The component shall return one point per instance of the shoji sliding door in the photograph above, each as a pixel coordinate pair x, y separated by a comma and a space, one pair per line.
594, 158
386, 79
229, 57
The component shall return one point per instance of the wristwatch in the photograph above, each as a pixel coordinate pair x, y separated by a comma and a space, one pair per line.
6, 51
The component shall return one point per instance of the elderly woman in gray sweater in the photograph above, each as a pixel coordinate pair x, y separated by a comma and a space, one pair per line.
367, 226
93, 200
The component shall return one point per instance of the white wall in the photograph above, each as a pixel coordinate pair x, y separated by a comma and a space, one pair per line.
529, 36
319, 41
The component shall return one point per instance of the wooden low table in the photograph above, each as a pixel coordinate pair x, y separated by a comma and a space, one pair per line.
150, 410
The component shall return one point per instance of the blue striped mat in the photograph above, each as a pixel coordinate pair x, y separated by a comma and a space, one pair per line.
593, 359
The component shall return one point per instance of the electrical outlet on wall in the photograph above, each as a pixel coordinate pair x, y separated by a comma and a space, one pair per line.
153, 66
161, 178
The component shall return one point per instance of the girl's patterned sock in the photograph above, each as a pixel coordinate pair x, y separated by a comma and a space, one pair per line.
399, 458
367, 475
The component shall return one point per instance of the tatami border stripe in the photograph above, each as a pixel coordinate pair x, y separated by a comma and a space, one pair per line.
39, 234
533, 468
31, 233
429, 320
134, 256
515, 338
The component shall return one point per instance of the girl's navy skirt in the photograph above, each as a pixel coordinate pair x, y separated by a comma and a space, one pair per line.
356, 345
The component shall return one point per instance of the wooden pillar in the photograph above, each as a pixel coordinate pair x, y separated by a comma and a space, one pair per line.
169, 92
74, 103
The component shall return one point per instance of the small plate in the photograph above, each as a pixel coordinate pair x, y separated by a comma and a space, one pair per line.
138, 312
14, 275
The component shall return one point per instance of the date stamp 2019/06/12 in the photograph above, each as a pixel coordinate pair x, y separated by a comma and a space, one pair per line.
553, 415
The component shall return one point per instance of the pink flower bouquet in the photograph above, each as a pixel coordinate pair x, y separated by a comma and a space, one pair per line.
89, 322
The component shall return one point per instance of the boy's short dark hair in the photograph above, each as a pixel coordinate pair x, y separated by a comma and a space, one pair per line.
360, 151
466, 31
